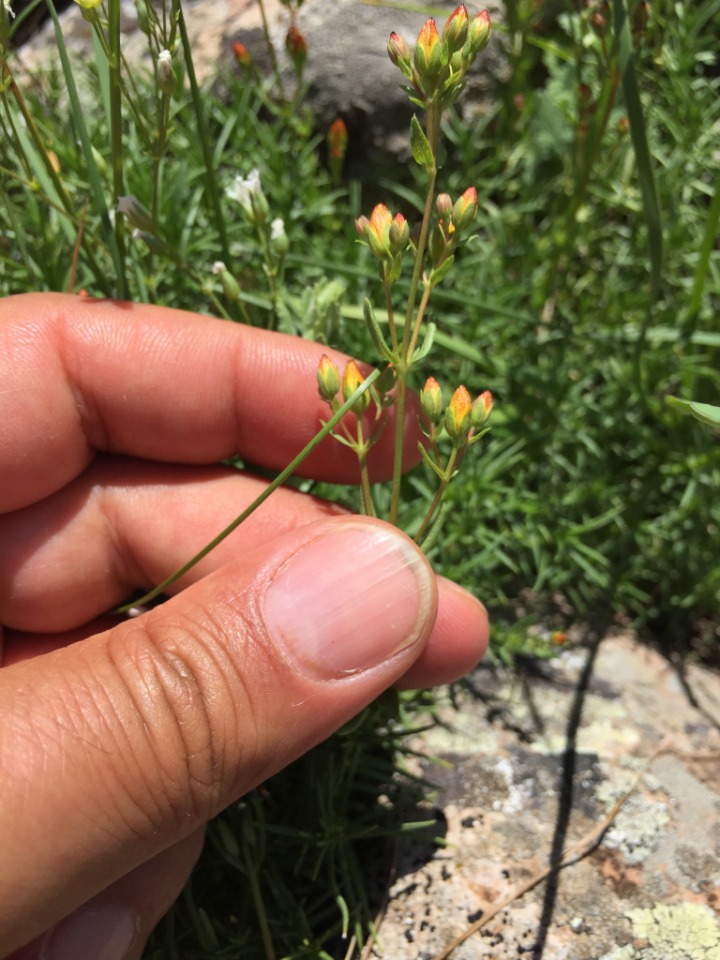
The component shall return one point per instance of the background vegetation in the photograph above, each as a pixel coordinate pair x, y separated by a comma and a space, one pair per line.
589, 295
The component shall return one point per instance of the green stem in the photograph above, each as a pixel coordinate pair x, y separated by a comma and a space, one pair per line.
361, 451
387, 287
433, 135
439, 493
271, 50
116, 137
204, 138
278, 481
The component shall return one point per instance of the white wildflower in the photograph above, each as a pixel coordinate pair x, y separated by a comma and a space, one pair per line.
245, 188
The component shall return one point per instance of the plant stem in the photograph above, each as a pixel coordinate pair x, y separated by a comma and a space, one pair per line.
271, 50
204, 138
361, 450
116, 135
433, 134
439, 493
278, 481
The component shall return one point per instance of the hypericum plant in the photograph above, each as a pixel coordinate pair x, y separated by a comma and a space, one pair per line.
435, 69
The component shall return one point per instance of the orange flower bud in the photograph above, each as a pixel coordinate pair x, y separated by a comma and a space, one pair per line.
296, 46
465, 209
558, 637
431, 401
328, 377
242, 55
456, 28
337, 138
428, 56
457, 415
352, 379
385, 235
481, 409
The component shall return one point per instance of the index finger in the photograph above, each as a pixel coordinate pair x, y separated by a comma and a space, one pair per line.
79, 375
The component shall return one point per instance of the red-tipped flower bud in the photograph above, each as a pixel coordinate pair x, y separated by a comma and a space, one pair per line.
242, 55
456, 29
400, 54
352, 379
431, 401
328, 377
481, 409
428, 56
337, 139
398, 234
465, 209
478, 35
457, 415
296, 46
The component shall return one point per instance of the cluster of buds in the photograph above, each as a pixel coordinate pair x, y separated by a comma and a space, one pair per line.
385, 234
463, 419
436, 66
330, 385
453, 220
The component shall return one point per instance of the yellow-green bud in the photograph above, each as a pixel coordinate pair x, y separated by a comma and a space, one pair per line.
431, 401
352, 379
328, 377
457, 415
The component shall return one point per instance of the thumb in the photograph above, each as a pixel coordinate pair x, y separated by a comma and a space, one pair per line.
120, 745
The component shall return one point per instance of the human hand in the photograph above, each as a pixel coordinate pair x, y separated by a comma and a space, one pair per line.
119, 739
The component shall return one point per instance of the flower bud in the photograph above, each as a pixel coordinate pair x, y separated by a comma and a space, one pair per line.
465, 209
352, 379
279, 242
231, 288
242, 55
166, 77
398, 234
457, 415
296, 46
481, 409
400, 54
337, 139
428, 57
328, 377
444, 206
477, 36
431, 401
456, 29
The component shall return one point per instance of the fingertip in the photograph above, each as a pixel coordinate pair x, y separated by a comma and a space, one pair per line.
457, 643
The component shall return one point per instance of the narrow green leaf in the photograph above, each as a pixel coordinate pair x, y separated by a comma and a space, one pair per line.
638, 134
705, 412
377, 338
420, 145
437, 276
426, 346
94, 180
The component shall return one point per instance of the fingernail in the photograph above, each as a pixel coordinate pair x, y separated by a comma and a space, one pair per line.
350, 599
92, 933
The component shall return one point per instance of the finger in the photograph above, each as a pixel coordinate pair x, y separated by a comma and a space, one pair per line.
118, 921
156, 383
166, 719
457, 643
124, 525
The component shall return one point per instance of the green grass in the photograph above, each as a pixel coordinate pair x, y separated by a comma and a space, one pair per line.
589, 294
